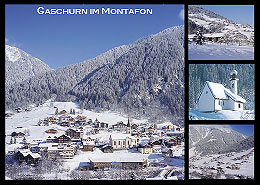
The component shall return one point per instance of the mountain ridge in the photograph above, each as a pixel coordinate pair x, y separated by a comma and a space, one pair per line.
20, 65
215, 139
140, 77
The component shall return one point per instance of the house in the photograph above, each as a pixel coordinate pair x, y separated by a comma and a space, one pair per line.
51, 131
73, 134
167, 152
120, 126
145, 149
19, 134
32, 158
27, 156
51, 139
107, 149
34, 148
63, 139
215, 96
88, 146
63, 112
66, 151
134, 126
84, 166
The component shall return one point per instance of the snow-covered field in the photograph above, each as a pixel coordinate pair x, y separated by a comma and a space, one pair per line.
222, 115
214, 51
235, 163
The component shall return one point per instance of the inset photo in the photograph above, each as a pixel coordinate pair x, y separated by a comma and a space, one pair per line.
221, 32
221, 151
221, 92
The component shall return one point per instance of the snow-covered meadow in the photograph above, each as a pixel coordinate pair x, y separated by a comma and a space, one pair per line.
216, 51
195, 114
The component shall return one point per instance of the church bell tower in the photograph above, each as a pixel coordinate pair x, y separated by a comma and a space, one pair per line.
233, 79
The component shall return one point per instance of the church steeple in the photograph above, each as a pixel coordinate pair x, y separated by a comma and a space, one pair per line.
233, 79
128, 127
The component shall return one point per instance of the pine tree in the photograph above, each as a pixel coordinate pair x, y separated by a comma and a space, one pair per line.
56, 111
11, 141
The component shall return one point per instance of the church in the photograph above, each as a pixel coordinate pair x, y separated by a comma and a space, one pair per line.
215, 97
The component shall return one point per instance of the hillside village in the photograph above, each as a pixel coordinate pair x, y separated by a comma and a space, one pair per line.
88, 144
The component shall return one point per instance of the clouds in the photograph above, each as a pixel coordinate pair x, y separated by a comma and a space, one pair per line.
181, 14
6, 40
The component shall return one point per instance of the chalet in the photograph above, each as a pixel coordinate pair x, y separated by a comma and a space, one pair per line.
214, 37
107, 149
54, 151
101, 125
174, 134
164, 126
172, 142
63, 112
84, 166
88, 139
215, 96
145, 149
167, 152
63, 139
134, 126
32, 158
68, 152
19, 134
51, 131
51, 139
61, 151
34, 148
64, 123
120, 126
88, 146
73, 134
27, 156
76, 141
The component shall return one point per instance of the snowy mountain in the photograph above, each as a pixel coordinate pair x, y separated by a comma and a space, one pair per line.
143, 78
245, 144
210, 22
20, 65
213, 139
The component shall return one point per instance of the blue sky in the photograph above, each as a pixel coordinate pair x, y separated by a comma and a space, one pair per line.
247, 130
243, 14
60, 40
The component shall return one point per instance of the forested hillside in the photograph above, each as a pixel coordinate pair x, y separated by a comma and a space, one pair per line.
145, 78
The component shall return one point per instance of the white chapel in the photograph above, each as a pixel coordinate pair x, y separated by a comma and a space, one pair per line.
215, 96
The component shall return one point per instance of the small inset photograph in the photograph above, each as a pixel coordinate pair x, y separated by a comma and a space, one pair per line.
221, 32
221, 92
221, 151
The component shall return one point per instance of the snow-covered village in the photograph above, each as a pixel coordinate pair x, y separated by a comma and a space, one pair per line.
220, 152
214, 37
57, 140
